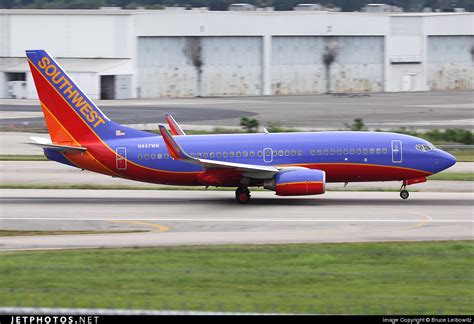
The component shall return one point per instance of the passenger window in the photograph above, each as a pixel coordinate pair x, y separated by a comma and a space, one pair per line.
231, 154
166, 156
333, 152
339, 152
140, 156
211, 155
238, 154
320, 152
204, 155
352, 151
267, 153
384, 150
346, 151
252, 153
359, 151
160, 156
372, 151
224, 154
287, 153
378, 151
259, 153
218, 154
326, 152
300, 152
313, 152
280, 152
147, 156
293, 152
153, 156
245, 154
275, 153
365, 151
199, 155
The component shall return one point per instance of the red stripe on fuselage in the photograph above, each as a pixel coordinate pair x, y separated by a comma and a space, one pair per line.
354, 172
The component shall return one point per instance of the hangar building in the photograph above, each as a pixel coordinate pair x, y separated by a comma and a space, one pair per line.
120, 54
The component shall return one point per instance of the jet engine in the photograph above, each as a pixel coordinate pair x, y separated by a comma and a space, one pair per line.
297, 183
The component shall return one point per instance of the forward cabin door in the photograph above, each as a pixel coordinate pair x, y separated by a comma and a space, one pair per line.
397, 155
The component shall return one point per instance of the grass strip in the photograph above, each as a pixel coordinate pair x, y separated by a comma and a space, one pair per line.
23, 158
453, 176
35, 233
348, 278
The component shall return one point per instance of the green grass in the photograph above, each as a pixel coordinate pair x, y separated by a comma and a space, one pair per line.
463, 155
34, 233
453, 176
350, 278
23, 158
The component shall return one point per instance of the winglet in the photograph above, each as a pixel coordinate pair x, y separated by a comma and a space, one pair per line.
175, 128
176, 152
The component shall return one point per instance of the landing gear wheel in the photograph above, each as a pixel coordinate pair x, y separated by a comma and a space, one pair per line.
242, 195
404, 194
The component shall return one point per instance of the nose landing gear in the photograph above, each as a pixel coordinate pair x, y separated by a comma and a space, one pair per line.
242, 194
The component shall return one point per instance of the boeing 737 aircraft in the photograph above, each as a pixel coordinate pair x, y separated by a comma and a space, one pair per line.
290, 164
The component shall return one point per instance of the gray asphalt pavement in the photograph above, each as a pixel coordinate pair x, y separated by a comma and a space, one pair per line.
190, 217
421, 110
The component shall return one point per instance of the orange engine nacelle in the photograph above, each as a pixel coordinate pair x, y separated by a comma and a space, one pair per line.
298, 183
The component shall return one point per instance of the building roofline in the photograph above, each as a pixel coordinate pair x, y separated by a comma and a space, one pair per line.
125, 12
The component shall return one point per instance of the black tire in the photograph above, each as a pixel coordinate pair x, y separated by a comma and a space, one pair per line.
404, 194
242, 195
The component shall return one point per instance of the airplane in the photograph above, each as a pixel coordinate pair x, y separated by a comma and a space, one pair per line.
291, 164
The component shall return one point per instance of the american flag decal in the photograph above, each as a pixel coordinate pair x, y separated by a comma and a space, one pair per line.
119, 132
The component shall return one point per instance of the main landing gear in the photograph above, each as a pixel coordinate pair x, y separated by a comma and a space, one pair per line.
242, 194
403, 192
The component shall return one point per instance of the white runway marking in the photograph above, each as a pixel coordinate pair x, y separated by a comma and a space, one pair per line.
242, 220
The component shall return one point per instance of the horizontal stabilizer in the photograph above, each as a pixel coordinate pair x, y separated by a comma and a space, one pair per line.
46, 143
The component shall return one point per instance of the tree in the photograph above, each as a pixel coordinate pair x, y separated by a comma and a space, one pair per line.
357, 125
249, 124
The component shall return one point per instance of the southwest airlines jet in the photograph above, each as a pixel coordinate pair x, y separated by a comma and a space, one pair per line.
290, 164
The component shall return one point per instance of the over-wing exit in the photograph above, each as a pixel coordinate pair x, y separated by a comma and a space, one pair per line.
291, 164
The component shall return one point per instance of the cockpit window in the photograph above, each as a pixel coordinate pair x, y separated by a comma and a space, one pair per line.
425, 147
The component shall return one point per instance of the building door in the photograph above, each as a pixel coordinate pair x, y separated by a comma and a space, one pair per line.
107, 87
407, 82
16, 85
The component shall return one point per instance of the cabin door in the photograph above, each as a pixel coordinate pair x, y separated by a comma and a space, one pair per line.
397, 151
267, 155
121, 158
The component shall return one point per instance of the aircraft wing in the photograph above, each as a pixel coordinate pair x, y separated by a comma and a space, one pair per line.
46, 143
177, 153
175, 128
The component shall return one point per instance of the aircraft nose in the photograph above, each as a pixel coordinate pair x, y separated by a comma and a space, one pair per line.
444, 160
